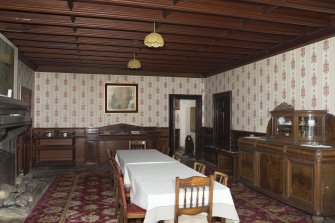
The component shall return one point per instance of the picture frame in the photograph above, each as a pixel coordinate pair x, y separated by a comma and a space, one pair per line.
121, 98
8, 68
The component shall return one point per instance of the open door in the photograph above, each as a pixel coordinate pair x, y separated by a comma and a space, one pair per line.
173, 98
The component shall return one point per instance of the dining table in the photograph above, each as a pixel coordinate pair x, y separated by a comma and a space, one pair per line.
153, 185
126, 158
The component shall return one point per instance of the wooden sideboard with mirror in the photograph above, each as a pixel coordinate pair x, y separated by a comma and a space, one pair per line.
295, 162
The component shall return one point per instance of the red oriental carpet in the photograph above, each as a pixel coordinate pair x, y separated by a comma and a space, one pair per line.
76, 197
81, 197
254, 207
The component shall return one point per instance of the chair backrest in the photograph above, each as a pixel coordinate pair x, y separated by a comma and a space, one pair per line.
121, 199
200, 167
220, 177
111, 153
115, 167
116, 175
191, 194
137, 144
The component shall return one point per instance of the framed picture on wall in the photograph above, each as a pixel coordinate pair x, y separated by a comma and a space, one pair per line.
121, 98
8, 60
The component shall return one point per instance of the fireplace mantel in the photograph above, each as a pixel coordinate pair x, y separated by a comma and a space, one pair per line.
12, 114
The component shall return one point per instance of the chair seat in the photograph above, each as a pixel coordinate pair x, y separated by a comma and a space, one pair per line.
134, 209
199, 218
192, 219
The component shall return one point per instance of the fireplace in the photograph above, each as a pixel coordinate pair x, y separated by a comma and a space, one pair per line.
14, 125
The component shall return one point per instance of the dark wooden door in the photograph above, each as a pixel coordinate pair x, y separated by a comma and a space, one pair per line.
222, 118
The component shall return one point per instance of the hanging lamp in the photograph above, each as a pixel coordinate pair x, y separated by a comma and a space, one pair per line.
134, 63
154, 39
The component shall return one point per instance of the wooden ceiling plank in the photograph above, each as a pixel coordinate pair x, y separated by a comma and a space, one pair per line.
40, 37
28, 50
213, 21
41, 6
309, 5
224, 8
175, 18
91, 70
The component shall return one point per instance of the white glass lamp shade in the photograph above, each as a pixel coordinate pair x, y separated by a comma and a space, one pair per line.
154, 40
134, 64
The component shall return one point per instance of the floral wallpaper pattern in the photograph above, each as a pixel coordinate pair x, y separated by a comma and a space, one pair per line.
304, 78
77, 100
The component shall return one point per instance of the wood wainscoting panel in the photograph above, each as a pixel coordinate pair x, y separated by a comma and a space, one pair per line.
327, 188
272, 173
301, 178
247, 165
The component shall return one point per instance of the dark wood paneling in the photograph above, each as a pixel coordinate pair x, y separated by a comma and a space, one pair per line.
272, 173
247, 165
91, 143
301, 177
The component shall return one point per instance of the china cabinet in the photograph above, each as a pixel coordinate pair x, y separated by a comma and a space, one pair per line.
295, 162
299, 125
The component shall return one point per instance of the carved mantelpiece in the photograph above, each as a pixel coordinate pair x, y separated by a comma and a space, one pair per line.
12, 114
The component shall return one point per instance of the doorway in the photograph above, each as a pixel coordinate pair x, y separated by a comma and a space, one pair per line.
222, 119
194, 103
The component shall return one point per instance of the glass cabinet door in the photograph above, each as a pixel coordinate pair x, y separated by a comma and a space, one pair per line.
283, 126
310, 126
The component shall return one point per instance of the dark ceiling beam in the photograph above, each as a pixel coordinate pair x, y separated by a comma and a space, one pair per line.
187, 48
41, 19
91, 70
310, 5
225, 8
182, 18
205, 57
67, 31
199, 20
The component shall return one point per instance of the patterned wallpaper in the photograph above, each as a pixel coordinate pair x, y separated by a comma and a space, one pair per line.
77, 100
304, 78
25, 76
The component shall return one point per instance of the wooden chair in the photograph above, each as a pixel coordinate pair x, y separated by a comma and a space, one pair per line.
137, 144
200, 167
111, 153
127, 210
220, 177
117, 174
192, 204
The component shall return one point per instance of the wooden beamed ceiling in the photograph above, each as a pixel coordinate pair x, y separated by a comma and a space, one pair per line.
202, 38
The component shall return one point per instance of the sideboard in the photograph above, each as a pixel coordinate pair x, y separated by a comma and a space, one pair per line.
295, 162
115, 137
90, 144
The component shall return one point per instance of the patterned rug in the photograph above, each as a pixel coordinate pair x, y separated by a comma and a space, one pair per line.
76, 197
82, 197
254, 207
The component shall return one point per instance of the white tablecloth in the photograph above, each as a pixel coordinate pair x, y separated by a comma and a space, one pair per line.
125, 158
153, 188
